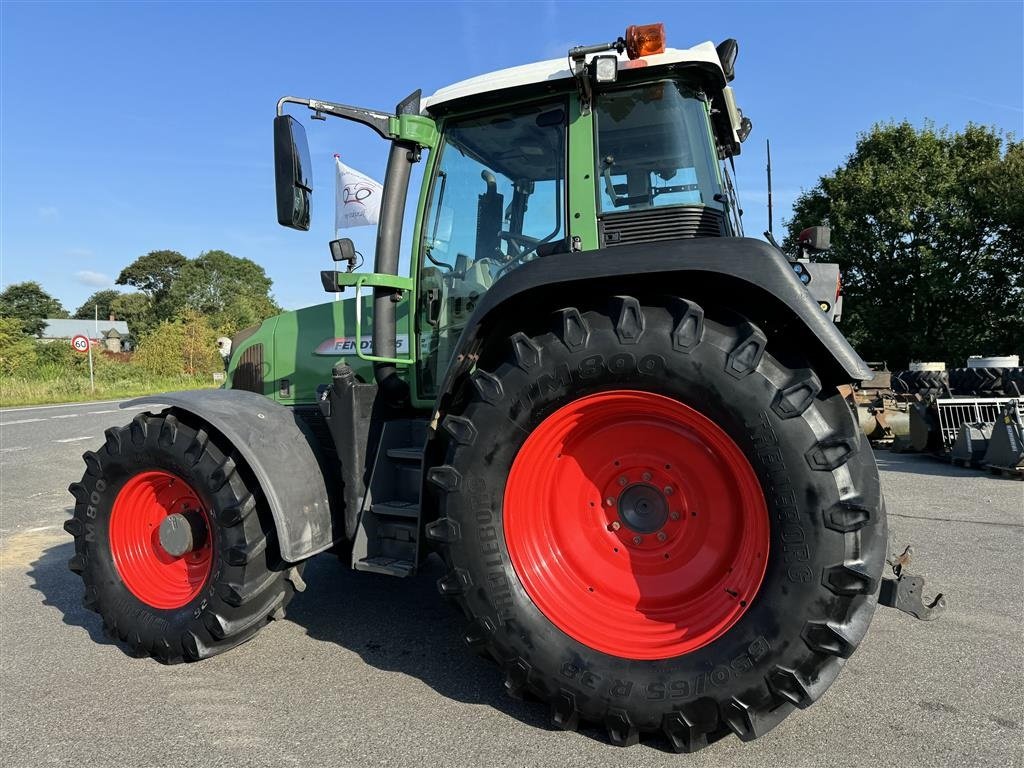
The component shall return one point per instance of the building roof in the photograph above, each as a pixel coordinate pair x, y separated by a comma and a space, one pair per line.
65, 329
558, 69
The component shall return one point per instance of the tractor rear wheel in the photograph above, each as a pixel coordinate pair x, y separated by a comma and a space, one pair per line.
654, 524
173, 541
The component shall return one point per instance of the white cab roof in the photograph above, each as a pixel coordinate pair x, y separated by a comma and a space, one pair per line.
558, 69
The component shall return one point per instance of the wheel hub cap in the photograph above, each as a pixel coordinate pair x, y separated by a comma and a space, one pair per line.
642, 508
636, 525
160, 539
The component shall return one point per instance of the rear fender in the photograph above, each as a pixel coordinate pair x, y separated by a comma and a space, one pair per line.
281, 453
740, 275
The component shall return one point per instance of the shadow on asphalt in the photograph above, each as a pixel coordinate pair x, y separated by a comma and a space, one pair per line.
63, 590
396, 625
403, 625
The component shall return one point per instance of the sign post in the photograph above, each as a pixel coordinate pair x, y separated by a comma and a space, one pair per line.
81, 343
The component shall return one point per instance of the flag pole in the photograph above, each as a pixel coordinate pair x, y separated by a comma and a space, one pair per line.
337, 232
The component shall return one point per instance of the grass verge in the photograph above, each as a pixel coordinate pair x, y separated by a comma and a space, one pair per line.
23, 390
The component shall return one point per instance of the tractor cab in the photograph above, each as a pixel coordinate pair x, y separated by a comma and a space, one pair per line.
618, 144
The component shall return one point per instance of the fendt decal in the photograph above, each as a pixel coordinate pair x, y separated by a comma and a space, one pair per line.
346, 345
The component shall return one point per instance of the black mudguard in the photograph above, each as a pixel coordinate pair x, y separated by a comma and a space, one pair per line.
281, 454
741, 274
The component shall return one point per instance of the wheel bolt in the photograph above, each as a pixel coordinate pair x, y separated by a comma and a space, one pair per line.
637, 540
609, 501
668, 490
647, 477
674, 515
623, 480
662, 536
615, 526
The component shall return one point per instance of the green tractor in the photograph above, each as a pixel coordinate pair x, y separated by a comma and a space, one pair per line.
613, 416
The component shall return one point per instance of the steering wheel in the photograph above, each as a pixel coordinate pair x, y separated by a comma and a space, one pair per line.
522, 246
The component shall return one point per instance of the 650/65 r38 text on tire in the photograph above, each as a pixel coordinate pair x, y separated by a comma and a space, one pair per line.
174, 542
654, 523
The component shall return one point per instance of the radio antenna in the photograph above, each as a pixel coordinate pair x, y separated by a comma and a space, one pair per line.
768, 145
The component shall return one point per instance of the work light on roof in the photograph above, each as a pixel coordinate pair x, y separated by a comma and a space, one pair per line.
639, 40
606, 69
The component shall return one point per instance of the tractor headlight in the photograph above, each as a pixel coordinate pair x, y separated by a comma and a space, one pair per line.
606, 69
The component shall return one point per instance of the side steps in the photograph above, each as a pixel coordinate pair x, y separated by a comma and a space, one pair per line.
386, 540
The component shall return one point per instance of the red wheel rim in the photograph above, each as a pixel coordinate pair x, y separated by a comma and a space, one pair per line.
154, 576
636, 525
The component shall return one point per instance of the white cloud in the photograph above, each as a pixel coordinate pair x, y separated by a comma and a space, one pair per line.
95, 279
47, 212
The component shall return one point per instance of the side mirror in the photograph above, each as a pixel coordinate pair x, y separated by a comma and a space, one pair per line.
727, 52
815, 238
292, 172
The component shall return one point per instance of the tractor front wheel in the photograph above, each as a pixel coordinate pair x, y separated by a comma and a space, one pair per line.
656, 524
174, 544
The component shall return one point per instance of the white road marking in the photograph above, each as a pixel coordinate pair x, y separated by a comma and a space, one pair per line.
75, 439
62, 405
19, 421
12, 450
112, 410
41, 528
66, 416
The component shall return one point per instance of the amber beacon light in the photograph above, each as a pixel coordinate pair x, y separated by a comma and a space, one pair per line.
645, 40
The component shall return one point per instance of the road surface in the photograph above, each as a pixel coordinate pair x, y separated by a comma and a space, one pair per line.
368, 670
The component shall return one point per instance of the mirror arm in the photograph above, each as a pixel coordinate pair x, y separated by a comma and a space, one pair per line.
378, 121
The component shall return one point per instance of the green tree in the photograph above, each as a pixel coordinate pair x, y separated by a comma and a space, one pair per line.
103, 300
187, 346
136, 309
927, 229
231, 292
153, 274
17, 348
30, 304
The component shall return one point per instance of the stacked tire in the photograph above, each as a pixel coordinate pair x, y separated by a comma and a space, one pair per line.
923, 383
1013, 382
987, 382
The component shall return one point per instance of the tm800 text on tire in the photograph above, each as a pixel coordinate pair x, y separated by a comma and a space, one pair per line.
174, 543
654, 524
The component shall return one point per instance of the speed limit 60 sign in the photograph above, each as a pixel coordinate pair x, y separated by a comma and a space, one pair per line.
80, 343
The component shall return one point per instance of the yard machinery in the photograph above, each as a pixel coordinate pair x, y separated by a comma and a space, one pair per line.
614, 417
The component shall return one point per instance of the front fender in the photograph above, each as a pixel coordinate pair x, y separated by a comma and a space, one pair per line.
280, 453
740, 274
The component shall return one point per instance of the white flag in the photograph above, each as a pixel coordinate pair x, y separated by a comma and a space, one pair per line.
357, 197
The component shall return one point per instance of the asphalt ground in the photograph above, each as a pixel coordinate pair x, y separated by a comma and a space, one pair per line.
368, 670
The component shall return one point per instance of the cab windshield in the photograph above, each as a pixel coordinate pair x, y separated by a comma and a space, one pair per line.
496, 203
655, 149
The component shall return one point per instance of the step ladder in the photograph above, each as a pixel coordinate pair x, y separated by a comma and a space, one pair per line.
387, 538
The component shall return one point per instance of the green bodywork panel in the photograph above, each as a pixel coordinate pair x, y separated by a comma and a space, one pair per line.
582, 186
415, 129
304, 345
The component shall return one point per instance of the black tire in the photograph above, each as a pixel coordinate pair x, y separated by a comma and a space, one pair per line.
923, 383
986, 382
961, 382
903, 382
248, 584
932, 384
1013, 382
814, 466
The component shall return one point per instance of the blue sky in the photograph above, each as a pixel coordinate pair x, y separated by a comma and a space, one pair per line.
134, 127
